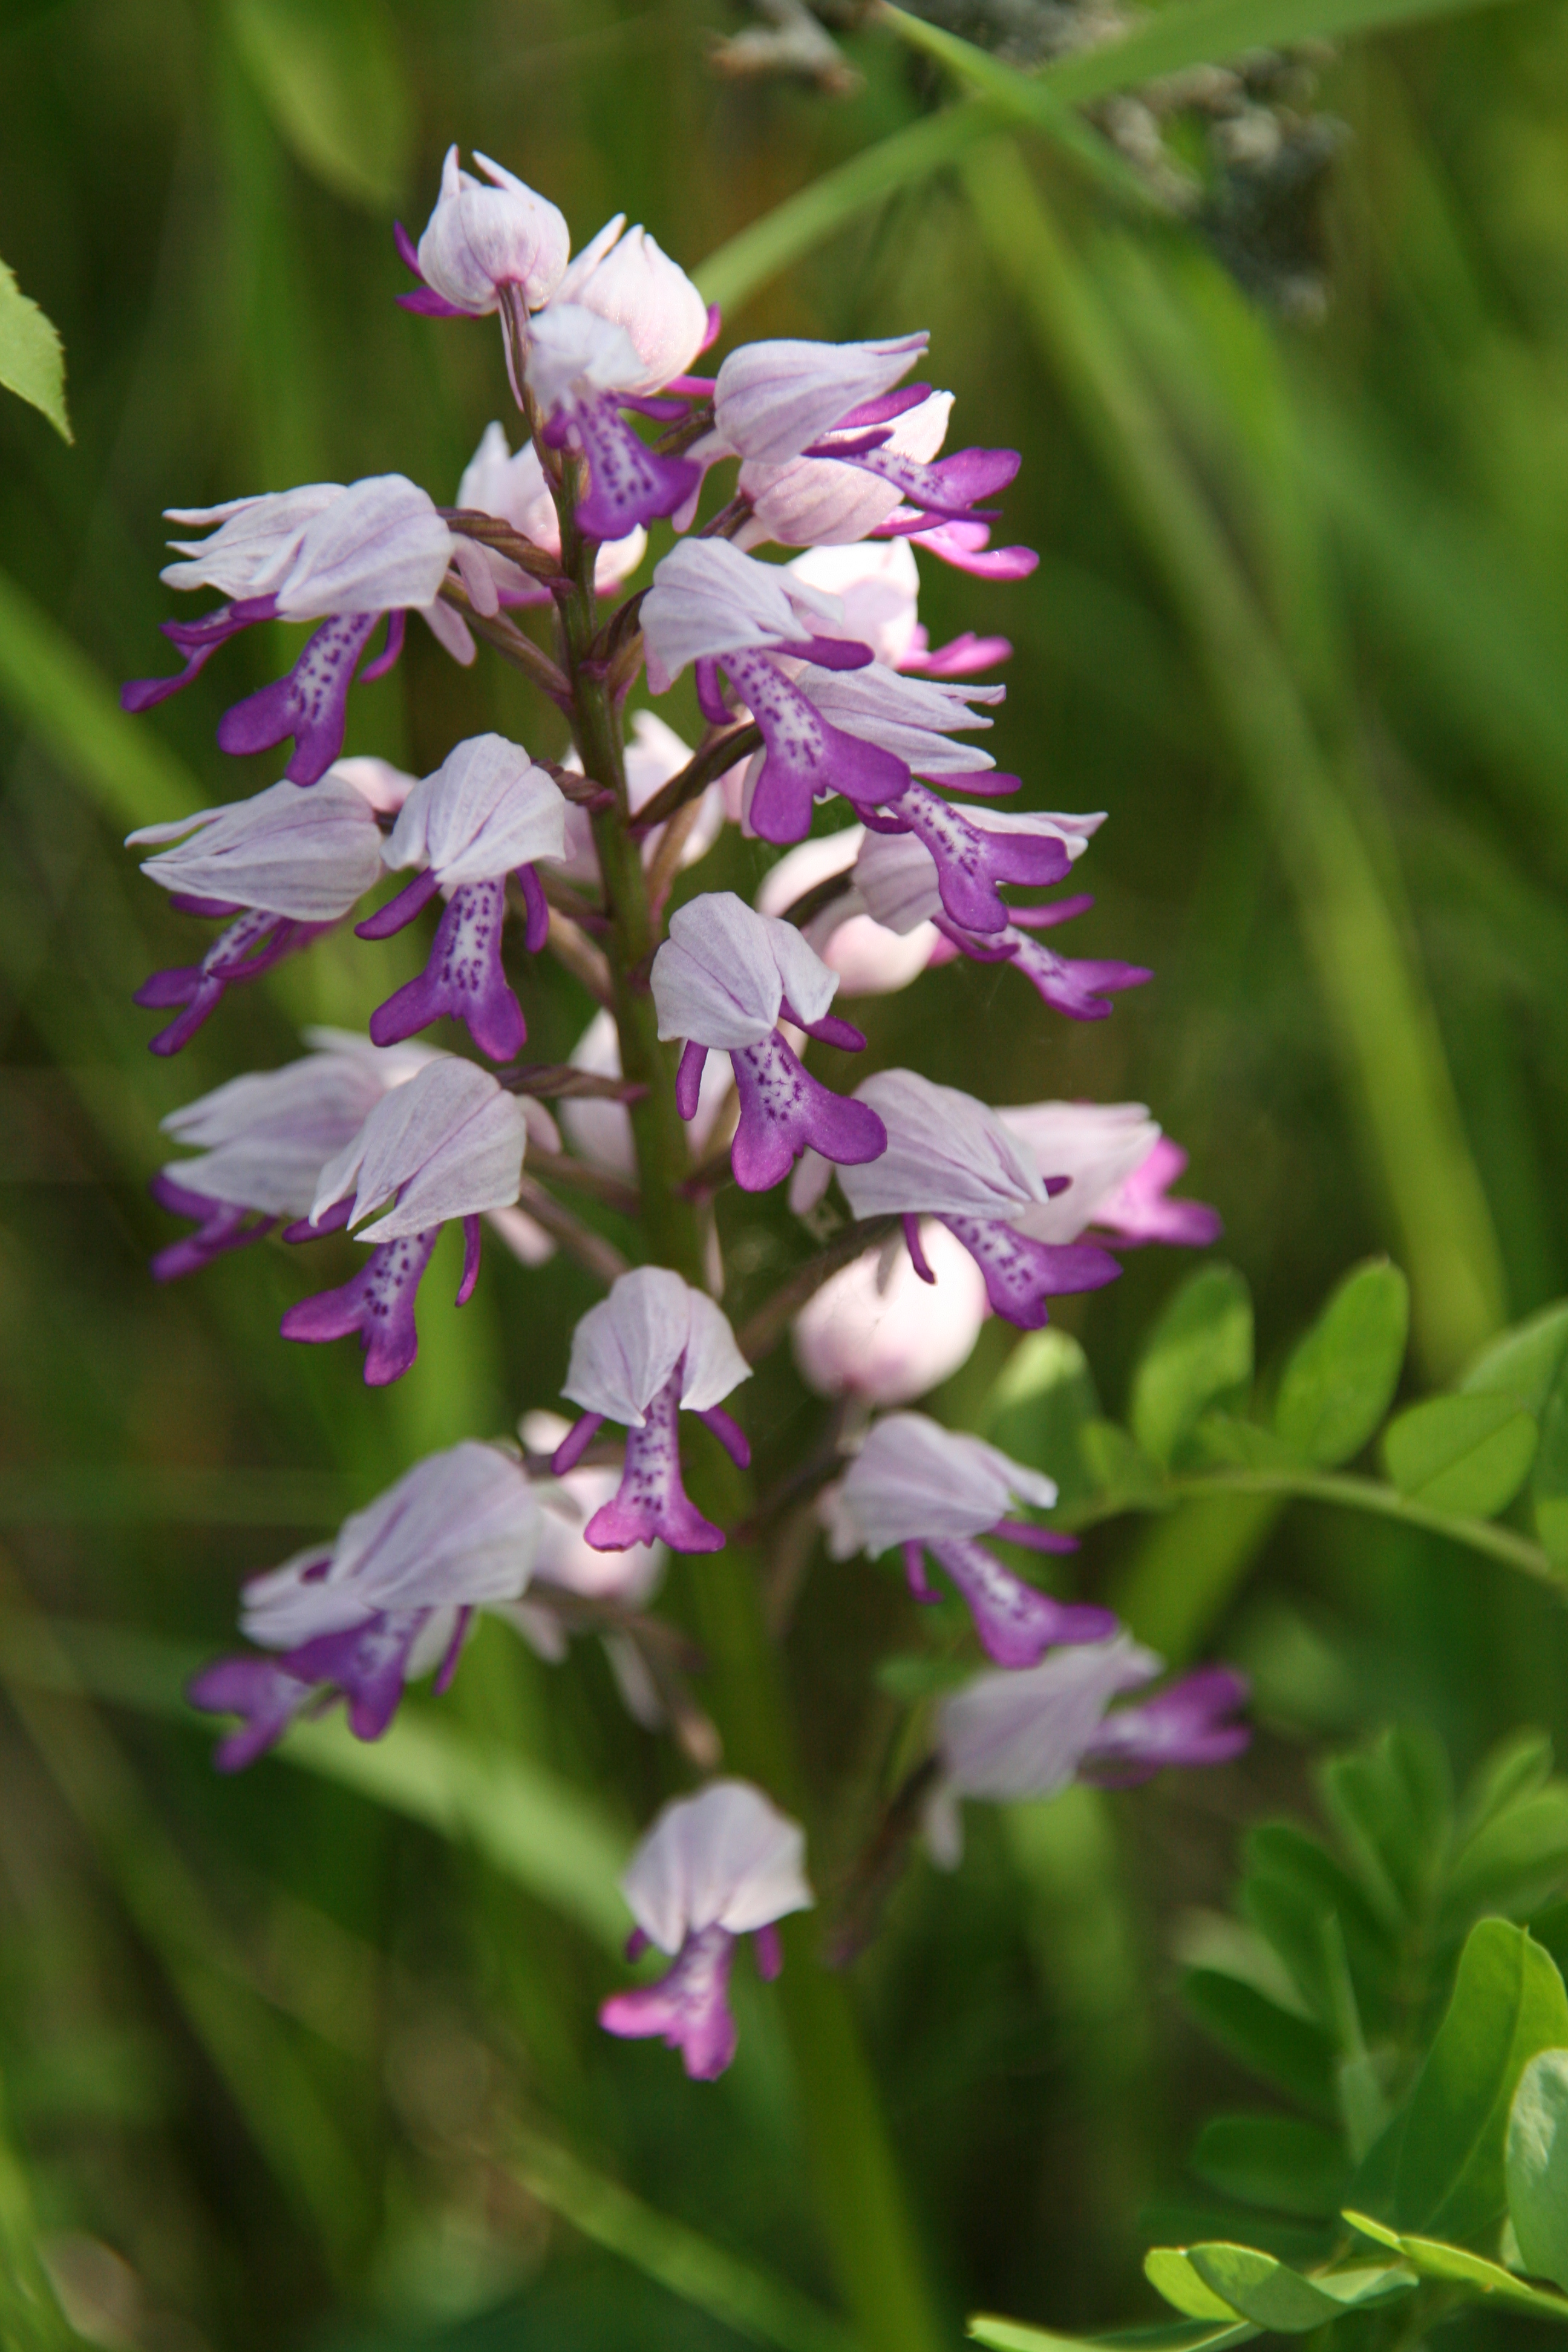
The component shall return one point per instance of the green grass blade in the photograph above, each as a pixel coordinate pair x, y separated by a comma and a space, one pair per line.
51, 687
770, 245
766, 2309
1385, 1031
528, 1824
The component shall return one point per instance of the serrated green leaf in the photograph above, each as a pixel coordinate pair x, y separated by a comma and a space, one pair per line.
1468, 1455
1508, 2003
1198, 1354
1524, 1363
1119, 1472
1273, 2161
1432, 2258
330, 75
1275, 2297
1536, 2166
1341, 1381
1291, 2053
32, 364
1038, 1406
1170, 2273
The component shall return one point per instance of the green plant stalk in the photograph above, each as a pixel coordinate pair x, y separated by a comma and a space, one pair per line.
860, 2197
1382, 1026
1350, 1492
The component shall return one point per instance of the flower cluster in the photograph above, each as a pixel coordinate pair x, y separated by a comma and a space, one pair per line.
818, 688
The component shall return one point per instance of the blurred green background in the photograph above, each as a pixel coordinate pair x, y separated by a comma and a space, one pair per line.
294, 2062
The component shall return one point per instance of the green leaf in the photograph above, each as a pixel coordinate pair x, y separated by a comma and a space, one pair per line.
1169, 2335
550, 1837
32, 364
1220, 1441
1536, 2166
1040, 1405
1516, 1769
1515, 1863
1123, 1477
1434, 2259
330, 75
55, 692
1524, 1363
1468, 1455
1273, 2161
1275, 2297
1198, 1354
1292, 1892
1170, 2273
1341, 1381
1393, 1805
1289, 2051
1508, 2002
1548, 1480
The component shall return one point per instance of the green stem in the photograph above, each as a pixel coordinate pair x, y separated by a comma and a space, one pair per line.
874, 2250
1355, 1493
1380, 1017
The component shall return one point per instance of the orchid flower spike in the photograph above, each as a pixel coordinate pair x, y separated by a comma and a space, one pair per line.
484, 244
724, 611
1120, 1166
875, 1331
391, 1598
342, 557
654, 1348
950, 1158
724, 979
279, 869
513, 490
448, 1143
1003, 1738
907, 878
486, 813
263, 1141
927, 1488
713, 1867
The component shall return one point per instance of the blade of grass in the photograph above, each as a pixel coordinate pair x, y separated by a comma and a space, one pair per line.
1381, 1021
267, 2080
525, 1821
755, 2303
1192, 32
53, 689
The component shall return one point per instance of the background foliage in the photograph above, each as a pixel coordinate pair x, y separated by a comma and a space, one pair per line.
311, 2059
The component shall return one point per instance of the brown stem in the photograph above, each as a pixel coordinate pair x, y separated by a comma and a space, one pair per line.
572, 946
601, 1259
560, 1168
470, 523
717, 753
510, 642
563, 1082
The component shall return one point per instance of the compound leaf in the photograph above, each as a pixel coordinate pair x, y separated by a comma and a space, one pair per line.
1341, 1381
